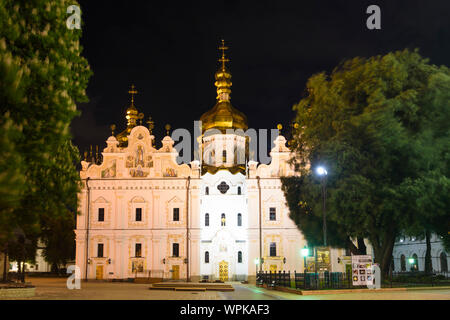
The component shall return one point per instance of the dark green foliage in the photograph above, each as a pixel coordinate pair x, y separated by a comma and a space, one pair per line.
42, 76
380, 126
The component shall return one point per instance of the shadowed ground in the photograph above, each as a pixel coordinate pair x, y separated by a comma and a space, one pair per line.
56, 289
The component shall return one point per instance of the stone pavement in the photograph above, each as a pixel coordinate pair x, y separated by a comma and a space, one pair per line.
56, 289
251, 292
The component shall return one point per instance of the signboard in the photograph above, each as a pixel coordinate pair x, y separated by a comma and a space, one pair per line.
323, 259
362, 270
310, 264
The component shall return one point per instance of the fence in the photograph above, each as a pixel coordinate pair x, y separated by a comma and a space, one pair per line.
306, 280
342, 280
418, 278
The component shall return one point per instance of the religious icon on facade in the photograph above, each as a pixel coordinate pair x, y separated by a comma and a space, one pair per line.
139, 156
110, 172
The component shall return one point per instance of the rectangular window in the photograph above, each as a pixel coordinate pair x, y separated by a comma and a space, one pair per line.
101, 214
176, 214
138, 250
273, 249
100, 250
138, 214
175, 250
273, 214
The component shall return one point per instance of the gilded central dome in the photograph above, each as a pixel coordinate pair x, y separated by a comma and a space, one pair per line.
223, 115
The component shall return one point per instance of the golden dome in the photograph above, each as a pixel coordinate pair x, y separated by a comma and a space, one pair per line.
223, 115
132, 115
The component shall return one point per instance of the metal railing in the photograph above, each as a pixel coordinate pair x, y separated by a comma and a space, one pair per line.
343, 280
306, 280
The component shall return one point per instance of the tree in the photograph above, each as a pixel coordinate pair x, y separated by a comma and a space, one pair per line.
380, 126
59, 241
52, 76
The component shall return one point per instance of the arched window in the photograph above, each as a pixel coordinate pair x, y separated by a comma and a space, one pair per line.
224, 156
222, 220
207, 220
415, 263
444, 265
239, 220
239, 191
207, 191
239, 256
273, 249
206, 256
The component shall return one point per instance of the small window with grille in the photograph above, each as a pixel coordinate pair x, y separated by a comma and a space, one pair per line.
273, 249
273, 214
176, 214
101, 214
138, 214
138, 250
175, 250
100, 250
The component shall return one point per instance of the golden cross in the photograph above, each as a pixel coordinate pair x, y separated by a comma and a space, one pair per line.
132, 92
223, 59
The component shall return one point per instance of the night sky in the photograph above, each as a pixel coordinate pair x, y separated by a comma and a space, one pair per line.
169, 51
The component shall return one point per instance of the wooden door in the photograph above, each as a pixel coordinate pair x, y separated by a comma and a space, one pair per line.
223, 271
175, 272
99, 272
273, 268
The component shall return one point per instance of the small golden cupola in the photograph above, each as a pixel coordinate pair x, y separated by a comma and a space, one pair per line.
223, 115
132, 115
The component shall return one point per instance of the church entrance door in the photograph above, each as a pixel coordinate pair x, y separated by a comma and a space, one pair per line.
223, 271
99, 272
175, 272
273, 268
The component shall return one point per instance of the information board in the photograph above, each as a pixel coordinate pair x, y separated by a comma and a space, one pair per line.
362, 270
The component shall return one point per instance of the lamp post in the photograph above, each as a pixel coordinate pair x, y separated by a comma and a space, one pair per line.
256, 269
322, 172
305, 253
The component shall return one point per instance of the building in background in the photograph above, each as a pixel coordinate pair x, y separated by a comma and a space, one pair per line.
40, 265
409, 254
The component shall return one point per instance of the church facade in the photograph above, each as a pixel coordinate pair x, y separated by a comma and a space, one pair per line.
144, 215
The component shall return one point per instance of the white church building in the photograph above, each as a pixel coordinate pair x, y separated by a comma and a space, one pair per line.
142, 214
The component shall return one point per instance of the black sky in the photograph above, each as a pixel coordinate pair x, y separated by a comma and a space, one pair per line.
169, 51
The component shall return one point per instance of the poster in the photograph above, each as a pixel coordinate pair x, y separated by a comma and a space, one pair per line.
362, 270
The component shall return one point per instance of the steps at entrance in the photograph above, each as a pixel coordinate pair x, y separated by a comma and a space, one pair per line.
190, 289
189, 286
147, 280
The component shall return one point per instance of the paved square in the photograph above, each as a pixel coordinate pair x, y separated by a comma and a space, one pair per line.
56, 289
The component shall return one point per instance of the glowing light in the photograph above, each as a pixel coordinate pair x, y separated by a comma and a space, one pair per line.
305, 252
321, 171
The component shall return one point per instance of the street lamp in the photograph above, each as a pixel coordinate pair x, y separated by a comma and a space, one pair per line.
256, 267
322, 172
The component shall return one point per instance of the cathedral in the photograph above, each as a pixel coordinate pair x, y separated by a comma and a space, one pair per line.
222, 218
